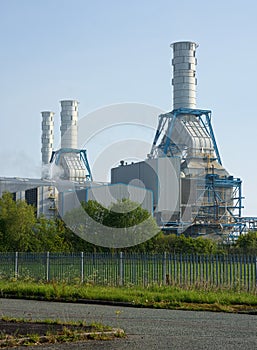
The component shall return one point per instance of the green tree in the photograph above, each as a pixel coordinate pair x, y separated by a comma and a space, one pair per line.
186, 245
17, 222
20, 230
124, 221
50, 235
124, 214
247, 243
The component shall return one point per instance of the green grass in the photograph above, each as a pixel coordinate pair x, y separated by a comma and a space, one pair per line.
193, 298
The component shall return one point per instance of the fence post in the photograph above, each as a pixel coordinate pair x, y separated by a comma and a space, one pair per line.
121, 269
47, 266
164, 269
255, 271
82, 267
16, 265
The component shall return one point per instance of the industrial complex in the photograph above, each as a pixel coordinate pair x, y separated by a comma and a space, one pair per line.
182, 181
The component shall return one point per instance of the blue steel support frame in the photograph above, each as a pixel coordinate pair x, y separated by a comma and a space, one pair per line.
171, 117
208, 119
161, 124
215, 182
83, 156
168, 138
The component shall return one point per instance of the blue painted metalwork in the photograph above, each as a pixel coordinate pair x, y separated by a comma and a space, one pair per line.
212, 214
208, 119
250, 223
83, 157
55, 158
215, 183
170, 117
169, 132
219, 212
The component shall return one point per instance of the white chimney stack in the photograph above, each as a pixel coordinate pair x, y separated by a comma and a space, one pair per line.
184, 68
47, 136
69, 124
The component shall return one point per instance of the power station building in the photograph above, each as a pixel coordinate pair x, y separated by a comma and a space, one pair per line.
193, 192
181, 182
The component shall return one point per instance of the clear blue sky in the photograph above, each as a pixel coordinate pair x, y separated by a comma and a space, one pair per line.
107, 52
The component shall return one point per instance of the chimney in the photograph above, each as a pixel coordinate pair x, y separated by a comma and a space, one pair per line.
184, 68
69, 124
47, 136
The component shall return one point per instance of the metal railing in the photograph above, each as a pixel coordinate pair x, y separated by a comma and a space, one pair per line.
226, 271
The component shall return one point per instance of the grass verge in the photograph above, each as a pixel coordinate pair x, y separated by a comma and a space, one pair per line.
171, 297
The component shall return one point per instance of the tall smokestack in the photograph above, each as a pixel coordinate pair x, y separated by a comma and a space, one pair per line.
184, 68
47, 136
69, 124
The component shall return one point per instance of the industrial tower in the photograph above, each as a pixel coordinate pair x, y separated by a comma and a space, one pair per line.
198, 196
71, 162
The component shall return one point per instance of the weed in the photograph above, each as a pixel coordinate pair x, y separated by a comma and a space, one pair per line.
152, 296
69, 332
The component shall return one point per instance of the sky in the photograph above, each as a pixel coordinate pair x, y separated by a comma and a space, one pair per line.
107, 53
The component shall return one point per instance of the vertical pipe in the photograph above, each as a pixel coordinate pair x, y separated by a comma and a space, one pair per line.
184, 69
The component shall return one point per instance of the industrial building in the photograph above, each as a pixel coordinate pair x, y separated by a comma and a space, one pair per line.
181, 182
66, 178
192, 192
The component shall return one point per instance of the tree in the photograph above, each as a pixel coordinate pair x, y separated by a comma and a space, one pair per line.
50, 235
17, 222
186, 245
247, 243
123, 224
20, 230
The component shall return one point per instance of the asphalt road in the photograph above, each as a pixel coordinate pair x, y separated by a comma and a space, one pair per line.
147, 329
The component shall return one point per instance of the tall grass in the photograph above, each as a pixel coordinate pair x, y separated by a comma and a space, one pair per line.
152, 296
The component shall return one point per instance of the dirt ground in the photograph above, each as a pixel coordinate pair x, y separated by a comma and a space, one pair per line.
20, 329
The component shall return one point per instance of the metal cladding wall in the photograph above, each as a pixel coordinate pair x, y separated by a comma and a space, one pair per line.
108, 194
160, 175
105, 195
